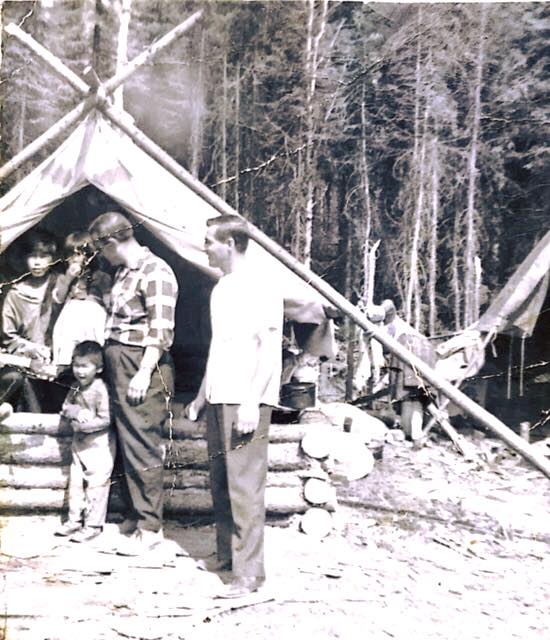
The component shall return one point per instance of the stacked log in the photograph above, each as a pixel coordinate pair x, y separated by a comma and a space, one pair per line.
340, 448
35, 458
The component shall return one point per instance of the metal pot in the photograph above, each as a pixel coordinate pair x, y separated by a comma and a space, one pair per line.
298, 395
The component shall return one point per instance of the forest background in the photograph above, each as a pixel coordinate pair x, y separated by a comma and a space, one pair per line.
398, 149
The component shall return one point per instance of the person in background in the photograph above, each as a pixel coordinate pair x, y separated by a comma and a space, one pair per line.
81, 318
140, 373
240, 386
86, 410
26, 316
79, 258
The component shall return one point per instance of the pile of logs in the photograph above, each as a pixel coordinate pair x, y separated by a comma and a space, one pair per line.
303, 460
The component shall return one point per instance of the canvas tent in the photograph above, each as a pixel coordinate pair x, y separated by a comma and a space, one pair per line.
97, 153
516, 308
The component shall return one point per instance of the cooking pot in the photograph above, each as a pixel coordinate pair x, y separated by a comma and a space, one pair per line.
298, 395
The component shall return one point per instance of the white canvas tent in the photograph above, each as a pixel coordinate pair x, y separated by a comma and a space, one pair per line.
96, 153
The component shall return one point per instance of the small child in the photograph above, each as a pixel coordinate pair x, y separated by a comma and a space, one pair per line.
81, 318
86, 409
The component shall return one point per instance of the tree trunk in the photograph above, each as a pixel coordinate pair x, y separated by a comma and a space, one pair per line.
432, 305
455, 272
312, 55
351, 329
418, 184
237, 135
123, 10
413, 290
279, 500
470, 313
368, 276
197, 128
224, 132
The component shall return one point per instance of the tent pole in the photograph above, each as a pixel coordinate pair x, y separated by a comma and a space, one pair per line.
71, 118
122, 120
478, 413
56, 130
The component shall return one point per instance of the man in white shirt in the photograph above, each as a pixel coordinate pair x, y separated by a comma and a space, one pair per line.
240, 386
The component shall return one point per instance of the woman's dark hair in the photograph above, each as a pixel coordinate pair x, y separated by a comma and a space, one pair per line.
41, 242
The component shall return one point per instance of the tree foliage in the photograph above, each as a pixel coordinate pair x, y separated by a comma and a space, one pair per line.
333, 126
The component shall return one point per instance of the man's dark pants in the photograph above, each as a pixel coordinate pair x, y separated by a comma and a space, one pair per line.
238, 470
139, 431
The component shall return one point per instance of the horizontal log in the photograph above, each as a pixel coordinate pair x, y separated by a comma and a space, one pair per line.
279, 500
179, 429
57, 477
33, 477
37, 449
283, 456
34, 423
25, 448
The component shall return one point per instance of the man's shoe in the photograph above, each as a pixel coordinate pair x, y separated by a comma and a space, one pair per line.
241, 587
140, 542
68, 529
86, 534
216, 566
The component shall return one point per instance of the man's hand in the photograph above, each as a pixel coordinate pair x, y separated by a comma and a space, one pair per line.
248, 418
139, 386
194, 409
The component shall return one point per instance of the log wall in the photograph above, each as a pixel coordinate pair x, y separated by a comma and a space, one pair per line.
35, 457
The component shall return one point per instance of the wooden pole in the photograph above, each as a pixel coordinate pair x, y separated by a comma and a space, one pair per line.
46, 56
55, 131
63, 125
478, 413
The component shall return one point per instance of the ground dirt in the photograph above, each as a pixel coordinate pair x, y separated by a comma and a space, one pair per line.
427, 546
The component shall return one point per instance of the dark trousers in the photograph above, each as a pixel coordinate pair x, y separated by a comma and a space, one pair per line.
139, 431
238, 470
27, 393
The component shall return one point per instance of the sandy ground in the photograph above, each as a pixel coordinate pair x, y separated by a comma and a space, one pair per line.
390, 570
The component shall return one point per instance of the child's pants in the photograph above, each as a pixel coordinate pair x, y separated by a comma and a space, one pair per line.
93, 456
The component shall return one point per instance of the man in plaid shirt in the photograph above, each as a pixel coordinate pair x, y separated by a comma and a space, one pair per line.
139, 334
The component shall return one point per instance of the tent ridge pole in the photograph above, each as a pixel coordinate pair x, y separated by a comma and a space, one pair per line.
478, 413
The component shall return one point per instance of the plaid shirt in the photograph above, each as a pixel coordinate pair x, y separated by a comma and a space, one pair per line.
143, 303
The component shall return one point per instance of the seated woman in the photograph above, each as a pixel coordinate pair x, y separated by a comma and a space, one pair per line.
26, 315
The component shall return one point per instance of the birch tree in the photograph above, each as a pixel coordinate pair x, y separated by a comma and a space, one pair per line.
470, 311
123, 10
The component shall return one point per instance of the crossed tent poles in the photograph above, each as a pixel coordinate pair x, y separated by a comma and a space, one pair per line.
94, 94
97, 95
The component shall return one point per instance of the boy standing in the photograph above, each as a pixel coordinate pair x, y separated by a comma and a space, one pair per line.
86, 409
